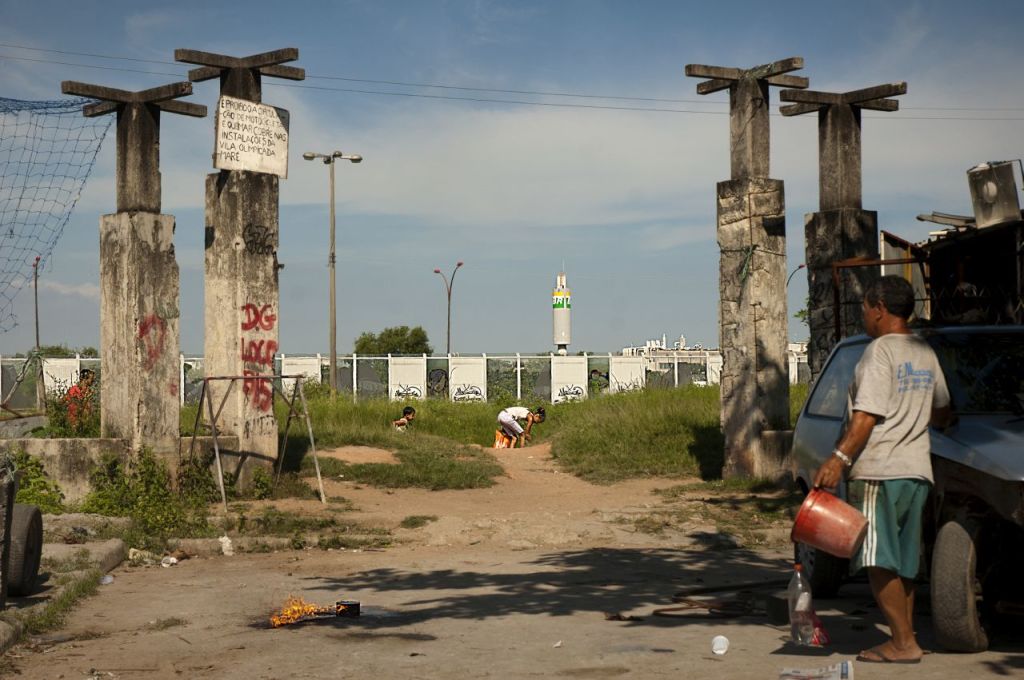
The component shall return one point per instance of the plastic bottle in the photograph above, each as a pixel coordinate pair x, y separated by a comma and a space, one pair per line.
801, 609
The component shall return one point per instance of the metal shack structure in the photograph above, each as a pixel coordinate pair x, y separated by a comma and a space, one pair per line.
971, 271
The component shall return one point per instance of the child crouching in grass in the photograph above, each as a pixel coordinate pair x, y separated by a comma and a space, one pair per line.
408, 415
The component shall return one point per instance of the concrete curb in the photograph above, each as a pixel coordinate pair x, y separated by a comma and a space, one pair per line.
105, 555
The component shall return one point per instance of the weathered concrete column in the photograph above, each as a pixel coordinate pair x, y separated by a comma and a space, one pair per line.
242, 304
139, 280
753, 333
753, 321
841, 229
242, 293
831, 236
139, 333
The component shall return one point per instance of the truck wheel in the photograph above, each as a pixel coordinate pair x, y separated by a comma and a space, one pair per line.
26, 549
825, 572
956, 589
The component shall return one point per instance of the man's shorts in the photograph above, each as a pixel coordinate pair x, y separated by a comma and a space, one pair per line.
894, 509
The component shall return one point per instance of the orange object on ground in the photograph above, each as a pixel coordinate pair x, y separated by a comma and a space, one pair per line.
503, 441
827, 523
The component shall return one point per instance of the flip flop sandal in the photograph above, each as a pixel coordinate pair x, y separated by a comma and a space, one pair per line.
882, 658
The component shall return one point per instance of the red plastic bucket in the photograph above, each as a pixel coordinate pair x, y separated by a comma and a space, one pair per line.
827, 523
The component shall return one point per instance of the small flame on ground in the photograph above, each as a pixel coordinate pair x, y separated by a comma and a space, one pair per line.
296, 609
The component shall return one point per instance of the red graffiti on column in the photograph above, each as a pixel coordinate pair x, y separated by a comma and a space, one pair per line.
258, 317
152, 333
258, 354
259, 390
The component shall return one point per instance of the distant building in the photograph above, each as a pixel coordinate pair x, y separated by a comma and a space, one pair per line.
660, 358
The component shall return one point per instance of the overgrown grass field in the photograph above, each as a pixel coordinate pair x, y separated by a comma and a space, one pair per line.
668, 433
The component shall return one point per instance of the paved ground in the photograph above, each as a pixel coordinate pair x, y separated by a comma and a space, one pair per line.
489, 592
434, 613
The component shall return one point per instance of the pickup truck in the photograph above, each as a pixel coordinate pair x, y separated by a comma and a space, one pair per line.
974, 521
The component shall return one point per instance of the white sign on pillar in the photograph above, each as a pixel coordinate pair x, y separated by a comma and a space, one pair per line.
568, 379
251, 136
407, 378
467, 379
626, 374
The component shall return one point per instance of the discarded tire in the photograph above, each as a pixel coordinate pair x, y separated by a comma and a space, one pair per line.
955, 588
26, 549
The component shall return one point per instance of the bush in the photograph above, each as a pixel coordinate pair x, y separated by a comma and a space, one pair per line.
142, 490
35, 487
72, 415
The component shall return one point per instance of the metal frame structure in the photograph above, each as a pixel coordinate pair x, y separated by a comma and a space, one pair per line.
297, 392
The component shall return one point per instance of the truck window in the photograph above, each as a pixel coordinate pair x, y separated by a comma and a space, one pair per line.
830, 392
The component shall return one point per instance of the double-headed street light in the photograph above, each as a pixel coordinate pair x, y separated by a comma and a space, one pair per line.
448, 283
329, 160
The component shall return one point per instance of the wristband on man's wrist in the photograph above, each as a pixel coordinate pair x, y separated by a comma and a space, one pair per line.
847, 461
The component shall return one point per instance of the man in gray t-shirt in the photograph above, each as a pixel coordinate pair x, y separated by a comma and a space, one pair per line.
897, 391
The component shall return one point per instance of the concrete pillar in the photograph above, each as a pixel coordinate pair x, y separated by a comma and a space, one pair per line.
139, 332
840, 229
752, 275
831, 236
753, 330
242, 304
139, 283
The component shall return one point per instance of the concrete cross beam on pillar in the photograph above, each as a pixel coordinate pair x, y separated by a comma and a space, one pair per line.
138, 135
841, 229
748, 108
839, 144
241, 277
241, 76
139, 280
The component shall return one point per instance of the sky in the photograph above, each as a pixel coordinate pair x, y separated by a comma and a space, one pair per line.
617, 187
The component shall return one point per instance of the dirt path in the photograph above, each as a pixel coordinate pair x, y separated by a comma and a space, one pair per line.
534, 505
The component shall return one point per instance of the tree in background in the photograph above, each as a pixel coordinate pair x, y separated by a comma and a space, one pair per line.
65, 352
394, 340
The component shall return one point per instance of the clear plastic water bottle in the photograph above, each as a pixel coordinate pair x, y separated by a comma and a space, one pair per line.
801, 609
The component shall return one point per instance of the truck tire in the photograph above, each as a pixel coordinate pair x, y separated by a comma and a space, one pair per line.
955, 588
824, 572
26, 549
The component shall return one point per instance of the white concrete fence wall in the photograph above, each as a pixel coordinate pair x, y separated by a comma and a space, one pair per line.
458, 378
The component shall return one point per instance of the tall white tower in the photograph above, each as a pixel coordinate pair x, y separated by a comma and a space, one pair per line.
561, 309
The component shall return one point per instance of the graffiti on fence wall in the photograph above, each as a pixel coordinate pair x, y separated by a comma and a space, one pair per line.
633, 385
468, 393
258, 355
570, 392
437, 382
408, 392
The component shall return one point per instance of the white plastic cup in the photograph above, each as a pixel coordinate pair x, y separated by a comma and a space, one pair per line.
720, 645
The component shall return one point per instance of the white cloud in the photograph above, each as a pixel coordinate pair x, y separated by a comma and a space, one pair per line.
89, 291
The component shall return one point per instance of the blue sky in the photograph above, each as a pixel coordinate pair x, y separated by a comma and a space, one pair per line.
625, 198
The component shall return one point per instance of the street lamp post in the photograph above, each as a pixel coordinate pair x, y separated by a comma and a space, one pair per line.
448, 283
329, 160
